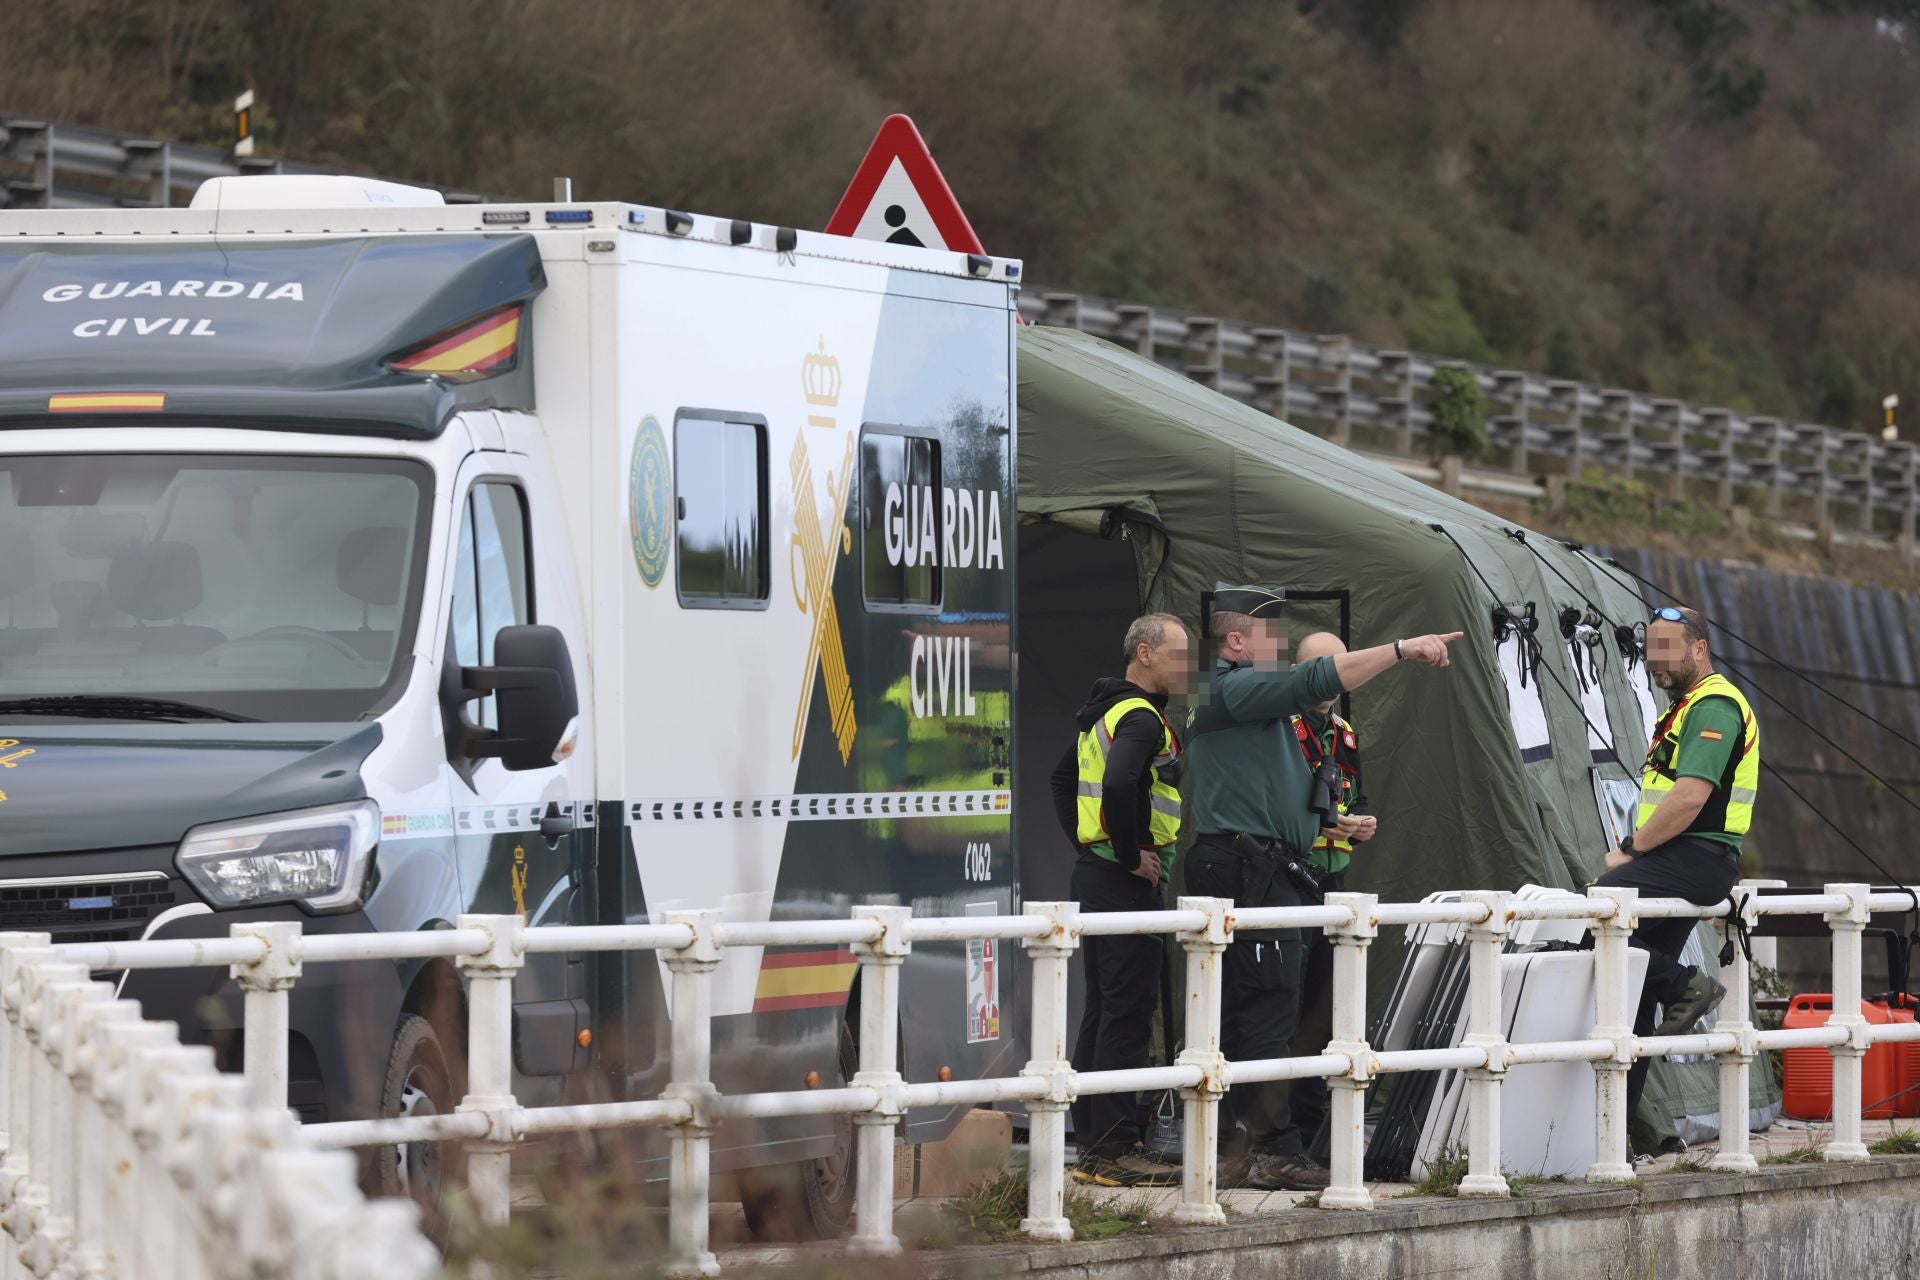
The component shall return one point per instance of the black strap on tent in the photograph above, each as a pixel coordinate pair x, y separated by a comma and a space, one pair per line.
1787, 667
1551, 673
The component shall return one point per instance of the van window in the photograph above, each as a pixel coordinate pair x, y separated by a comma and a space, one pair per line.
901, 518
720, 487
278, 587
491, 586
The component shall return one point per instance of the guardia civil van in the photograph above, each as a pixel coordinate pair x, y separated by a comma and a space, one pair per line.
366, 560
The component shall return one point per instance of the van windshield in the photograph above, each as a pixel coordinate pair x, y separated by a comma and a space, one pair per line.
266, 588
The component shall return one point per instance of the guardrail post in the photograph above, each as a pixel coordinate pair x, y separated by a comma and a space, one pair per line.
1612, 1022
172, 1081
1735, 1154
1485, 1031
15, 1066
1047, 1125
1336, 401
880, 963
1346, 1108
266, 983
1847, 924
1199, 1194
490, 977
691, 1028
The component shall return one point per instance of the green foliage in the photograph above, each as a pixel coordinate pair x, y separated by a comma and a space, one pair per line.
1837, 392
1323, 298
1808, 1152
1901, 1142
993, 1208
1563, 354
1606, 499
1459, 412
1444, 1175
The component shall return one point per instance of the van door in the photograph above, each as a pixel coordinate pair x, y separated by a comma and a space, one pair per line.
514, 832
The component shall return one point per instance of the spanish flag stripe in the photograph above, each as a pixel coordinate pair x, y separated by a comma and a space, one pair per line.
476, 354
823, 1000
800, 959
96, 402
508, 320
810, 980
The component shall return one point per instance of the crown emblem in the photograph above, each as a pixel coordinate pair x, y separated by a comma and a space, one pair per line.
820, 375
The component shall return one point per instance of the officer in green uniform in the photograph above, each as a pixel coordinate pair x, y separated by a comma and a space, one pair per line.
1250, 802
1697, 790
1117, 794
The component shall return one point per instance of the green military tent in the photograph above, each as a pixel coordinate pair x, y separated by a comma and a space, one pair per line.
1141, 489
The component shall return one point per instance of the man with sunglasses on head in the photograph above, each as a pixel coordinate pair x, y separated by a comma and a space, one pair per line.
1697, 791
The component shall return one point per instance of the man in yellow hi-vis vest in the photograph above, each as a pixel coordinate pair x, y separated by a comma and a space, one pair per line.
1116, 792
1697, 790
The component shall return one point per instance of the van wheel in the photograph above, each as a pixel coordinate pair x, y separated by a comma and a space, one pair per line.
811, 1200
419, 1082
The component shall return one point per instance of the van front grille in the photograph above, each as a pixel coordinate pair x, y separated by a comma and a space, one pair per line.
87, 908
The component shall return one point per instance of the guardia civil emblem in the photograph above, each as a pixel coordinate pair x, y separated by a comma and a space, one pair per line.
650, 501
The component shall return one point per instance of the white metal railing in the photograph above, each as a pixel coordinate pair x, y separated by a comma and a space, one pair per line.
59, 1192
124, 1153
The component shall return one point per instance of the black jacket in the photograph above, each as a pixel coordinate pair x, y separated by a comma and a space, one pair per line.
1136, 741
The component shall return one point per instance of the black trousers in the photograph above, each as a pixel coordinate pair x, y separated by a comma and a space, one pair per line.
1308, 1100
1260, 995
1122, 989
1701, 871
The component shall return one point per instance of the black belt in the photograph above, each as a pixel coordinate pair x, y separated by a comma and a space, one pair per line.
1282, 857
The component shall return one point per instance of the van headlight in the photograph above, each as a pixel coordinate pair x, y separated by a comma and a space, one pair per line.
318, 858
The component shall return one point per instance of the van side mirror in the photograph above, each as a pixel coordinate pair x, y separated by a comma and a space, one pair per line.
532, 678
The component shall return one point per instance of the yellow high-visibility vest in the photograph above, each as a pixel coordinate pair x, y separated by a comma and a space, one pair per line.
1730, 808
1163, 826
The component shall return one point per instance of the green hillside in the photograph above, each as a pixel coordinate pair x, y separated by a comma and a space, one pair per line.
1711, 199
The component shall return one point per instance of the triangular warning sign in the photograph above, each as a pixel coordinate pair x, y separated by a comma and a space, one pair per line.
898, 196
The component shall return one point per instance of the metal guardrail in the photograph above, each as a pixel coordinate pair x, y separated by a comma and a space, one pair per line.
126, 1154
1778, 467
65, 166
51, 1169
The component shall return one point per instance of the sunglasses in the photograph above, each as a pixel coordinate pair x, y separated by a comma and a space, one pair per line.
1667, 613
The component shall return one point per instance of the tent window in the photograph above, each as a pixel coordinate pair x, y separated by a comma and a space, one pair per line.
901, 521
720, 483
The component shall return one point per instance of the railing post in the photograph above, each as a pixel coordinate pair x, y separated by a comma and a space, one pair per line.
49, 1141
880, 963
1847, 925
90, 1170
1047, 1126
177, 1080
60, 1002
15, 949
489, 978
1612, 1022
1199, 1194
691, 1063
1735, 1154
266, 983
134, 1168
1485, 1031
1346, 1109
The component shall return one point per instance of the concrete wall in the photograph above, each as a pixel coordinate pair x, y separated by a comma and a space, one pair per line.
1787, 1222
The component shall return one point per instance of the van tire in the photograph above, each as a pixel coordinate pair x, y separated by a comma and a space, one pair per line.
419, 1081
811, 1199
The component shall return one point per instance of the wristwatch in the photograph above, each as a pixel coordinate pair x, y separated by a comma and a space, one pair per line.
1626, 847
1397, 655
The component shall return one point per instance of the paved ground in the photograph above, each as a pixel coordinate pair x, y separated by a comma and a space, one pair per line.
1785, 1137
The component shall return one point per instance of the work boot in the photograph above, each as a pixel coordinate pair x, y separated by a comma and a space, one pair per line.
1268, 1172
1140, 1167
1702, 996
